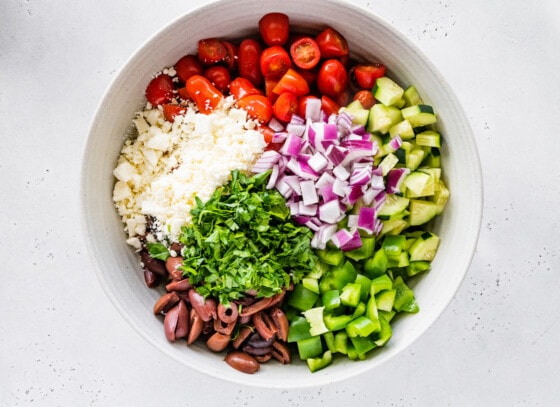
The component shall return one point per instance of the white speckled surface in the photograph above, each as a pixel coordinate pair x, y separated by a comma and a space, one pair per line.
63, 343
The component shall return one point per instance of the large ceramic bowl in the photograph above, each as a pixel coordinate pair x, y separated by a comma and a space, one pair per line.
369, 36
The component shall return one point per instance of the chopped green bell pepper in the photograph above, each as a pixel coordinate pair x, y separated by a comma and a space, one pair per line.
361, 326
334, 257
336, 322
302, 298
363, 344
380, 283
377, 265
350, 295
385, 299
310, 347
315, 318
404, 297
299, 329
319, 363
338, 276
330, 300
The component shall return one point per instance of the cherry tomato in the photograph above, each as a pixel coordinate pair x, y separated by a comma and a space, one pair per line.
274, 28
305, 53
203, 93
274, 62
231, 57
171, 111
240, 87
329, 106
211, 51
249, 55
292, 82
332, 44
285, 106
266, 132
269, 85
258, 107
160, 90
310, 75
302, 104
183, 94
188, 66
365, 97
365, 75
332, 79
219, 77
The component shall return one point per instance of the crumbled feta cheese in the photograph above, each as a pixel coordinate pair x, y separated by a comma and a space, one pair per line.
160, 173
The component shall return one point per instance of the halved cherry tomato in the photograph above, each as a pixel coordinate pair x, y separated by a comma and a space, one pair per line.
248, 59
219, 77
267, 133
292, 82
211, 51
365, 75
231, 57
269, 85
241, 87
305, 53
285, 106
188, 66
332, 79
258, 107
310, 75
275, 61
171, 111
160, 90
365, 97
302, 104
329, 106
274, 28
203, 93
331, 43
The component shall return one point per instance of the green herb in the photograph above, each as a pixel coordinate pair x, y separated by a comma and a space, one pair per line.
243, 241
158, 251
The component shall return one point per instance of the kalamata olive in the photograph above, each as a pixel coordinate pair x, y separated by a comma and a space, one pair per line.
243, 362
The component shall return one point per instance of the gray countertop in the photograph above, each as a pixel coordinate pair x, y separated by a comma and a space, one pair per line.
62, 341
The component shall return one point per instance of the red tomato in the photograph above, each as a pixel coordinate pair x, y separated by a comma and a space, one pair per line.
219, 77
302, 104
274, 146
274, 28
240, 87
365, 97
258, 107
292, 82
329, 106
188, 66
170, 111
203, 93
332, 44
211, 51
249, 55
285, 106
310, 76
160, 90
332, 79
231, 57
266, 132
365, 75
305, 53
269, 85
274, 62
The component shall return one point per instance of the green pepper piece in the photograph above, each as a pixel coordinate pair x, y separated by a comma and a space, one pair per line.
302, 298
385, 299
334, 257
315, 318
361, 326
359, 310
315, 364
388, 315
365, 284
377, 265
310, 347
338, 277
318, 270
330, 300
385, 333
329, 341
372, 313
299, 329
350, 295
336, 322
363, 252
415, 267
312, 284
380, 283
404, 297
341, 342
393, 246
363, 344
352, 354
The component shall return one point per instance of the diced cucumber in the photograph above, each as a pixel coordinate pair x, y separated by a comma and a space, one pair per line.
387, 91
419, 115
358, 113
388, 162
394, 226
416, 267
417, 181
412, 97
414, 158
382, 117
403, 129
429, 138
440, 197
424, 248
393, 204
421, 211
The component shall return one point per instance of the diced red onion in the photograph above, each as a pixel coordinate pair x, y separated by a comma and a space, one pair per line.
292, 146
395, 177
329, 212
313, 109
366, 219
275, 125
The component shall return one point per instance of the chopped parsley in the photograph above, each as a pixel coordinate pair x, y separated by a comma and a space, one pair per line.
243, 240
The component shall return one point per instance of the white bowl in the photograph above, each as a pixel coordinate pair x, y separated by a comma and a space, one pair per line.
369, 36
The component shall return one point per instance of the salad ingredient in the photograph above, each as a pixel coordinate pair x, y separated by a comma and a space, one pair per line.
218, 76
365, 75
249, 55
240, 87
258, 107
160, 89
211, 51
305, 53
292, 82
243, 241
205, 95
285, 106
243, 362
274, 28
274, 62
332, 44
332, 79
188, 66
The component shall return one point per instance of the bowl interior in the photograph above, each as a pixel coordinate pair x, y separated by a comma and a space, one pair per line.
369, 37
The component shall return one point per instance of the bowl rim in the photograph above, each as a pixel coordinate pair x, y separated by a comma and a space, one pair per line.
358, 368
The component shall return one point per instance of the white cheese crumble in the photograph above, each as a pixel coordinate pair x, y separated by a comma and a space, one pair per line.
159, 173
